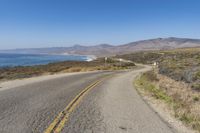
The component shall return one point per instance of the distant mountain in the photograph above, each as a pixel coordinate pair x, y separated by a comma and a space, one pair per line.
107, 50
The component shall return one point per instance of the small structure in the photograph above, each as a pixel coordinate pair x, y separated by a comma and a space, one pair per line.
155, 64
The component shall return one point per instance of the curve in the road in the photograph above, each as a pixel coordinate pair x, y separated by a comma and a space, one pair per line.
59, 122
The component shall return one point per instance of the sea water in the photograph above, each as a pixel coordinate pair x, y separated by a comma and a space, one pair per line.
12, 60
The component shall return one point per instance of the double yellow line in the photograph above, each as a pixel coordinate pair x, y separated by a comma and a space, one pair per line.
59, 122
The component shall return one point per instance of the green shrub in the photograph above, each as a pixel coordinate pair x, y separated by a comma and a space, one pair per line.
196, 86
151, 76
196, 98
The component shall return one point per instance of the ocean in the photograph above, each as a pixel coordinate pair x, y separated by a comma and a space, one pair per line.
12, 60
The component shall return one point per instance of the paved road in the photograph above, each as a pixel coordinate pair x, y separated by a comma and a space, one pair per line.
113, 106
116, 107
32, 107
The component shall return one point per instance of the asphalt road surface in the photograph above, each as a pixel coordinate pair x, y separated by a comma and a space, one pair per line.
111, 106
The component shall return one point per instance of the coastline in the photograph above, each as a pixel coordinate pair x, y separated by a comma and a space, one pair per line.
8, 60
21, 72
89, 57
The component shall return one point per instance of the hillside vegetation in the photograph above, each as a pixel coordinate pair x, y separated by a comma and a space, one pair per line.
67, 66
175, 81
178, 64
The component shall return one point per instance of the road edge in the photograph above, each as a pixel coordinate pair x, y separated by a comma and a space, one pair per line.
155, 105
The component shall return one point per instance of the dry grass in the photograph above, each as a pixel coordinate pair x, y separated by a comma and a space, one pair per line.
181, 99
60, 67
179, 81
178, 64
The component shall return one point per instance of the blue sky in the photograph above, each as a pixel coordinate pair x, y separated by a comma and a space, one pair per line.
55, 23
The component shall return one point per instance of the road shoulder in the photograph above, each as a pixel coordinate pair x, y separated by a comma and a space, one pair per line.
161, 108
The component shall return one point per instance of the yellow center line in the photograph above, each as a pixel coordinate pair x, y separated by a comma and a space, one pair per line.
59, 122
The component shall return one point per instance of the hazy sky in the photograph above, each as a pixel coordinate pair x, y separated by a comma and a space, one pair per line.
50, 23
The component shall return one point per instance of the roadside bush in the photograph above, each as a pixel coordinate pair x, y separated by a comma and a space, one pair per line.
196, 87
151, 76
